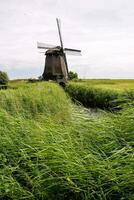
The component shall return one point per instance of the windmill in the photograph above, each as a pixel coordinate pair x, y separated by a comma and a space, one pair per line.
56, 67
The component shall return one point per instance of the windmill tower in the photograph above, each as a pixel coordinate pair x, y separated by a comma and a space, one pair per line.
56, 67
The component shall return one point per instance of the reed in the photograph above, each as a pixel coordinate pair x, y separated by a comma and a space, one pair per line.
95, 97
52, 149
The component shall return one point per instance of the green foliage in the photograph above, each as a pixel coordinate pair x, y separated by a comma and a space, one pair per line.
3, 78
95, 97
50, 149
72, 75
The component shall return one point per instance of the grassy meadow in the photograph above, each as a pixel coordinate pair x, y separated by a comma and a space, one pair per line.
110, 84
52, 149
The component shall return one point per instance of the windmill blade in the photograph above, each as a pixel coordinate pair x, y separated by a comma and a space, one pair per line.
42, 52
59, 30
66, 63
74, 52
45, 46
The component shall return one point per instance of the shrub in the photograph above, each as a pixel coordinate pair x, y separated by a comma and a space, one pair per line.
72, 75
33, 80
3, 78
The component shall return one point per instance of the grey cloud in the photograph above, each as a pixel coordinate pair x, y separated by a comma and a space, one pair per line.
103, 29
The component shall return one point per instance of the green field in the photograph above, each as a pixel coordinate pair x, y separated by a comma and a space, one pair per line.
52, 148
118, 85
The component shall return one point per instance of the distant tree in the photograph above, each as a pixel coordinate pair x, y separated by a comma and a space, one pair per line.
72, 75
3, 78
40, 78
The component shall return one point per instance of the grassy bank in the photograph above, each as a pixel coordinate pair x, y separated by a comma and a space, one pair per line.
96, 96
35, 100
50, 149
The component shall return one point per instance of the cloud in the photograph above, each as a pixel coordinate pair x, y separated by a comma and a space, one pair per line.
103, 29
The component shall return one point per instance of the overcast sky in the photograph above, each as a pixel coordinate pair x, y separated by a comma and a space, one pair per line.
102, 29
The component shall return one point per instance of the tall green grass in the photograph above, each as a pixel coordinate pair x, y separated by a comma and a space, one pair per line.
35, 100
110, 84
63, 154
95, 97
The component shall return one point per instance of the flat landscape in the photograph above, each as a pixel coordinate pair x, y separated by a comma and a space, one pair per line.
118, 85
75, 143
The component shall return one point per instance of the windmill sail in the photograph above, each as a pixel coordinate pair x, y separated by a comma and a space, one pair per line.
72, 51
56, 67
59, 30
45, 46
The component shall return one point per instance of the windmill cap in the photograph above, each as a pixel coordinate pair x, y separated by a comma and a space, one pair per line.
56, 50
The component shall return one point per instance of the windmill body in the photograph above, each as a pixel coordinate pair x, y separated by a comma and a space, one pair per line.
56, 67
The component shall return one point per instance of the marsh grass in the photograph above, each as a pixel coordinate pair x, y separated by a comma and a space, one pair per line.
34, 100
95, 97
99, 97
47, 153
